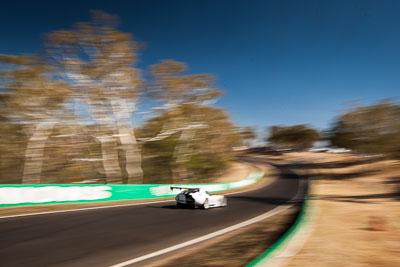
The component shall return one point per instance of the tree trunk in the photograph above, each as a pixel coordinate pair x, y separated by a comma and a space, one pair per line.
110, 159
132, 155
182, 155
34, 154
128, 141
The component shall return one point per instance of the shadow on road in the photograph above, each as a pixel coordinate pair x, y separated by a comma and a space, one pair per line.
172, 207
268, 200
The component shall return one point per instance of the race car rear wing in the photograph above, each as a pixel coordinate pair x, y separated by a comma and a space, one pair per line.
185, 188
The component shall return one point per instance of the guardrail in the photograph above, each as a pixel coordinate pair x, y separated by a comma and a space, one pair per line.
20, 195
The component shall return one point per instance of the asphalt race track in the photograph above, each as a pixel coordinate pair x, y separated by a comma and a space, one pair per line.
109, 236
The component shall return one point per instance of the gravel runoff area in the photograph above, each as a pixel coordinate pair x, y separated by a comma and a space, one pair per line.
236, 172
358, 210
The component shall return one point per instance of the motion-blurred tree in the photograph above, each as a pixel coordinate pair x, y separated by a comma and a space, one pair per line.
297, 136
206, 152
248, 135
369, 129
30, 97
97, 59
180, 94
86, 83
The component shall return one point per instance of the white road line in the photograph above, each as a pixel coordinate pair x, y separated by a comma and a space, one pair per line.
92, 208
105, 207
263, 216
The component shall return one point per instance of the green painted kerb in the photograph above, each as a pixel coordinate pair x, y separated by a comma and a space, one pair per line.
20, 195
284, 240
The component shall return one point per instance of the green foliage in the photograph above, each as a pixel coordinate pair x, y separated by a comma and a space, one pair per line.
157, 160
12, 147
208, 152
28, 92
205, 166
171, 85
369, 129
43, 139
297, 136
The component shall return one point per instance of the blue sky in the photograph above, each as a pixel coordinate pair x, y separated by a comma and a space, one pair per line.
279, 62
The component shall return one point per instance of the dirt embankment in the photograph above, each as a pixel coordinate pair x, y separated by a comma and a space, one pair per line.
237, 171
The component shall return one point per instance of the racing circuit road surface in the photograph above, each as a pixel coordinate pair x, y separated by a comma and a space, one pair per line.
104, 237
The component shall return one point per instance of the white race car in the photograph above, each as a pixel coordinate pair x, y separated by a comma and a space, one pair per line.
191, 197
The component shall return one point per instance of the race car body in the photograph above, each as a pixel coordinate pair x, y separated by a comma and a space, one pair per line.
198, 197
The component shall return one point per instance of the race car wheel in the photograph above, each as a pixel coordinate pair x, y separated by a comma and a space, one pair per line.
206, 205
179, 205
224, 203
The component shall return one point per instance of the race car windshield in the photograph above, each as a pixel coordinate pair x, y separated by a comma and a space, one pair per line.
192, 190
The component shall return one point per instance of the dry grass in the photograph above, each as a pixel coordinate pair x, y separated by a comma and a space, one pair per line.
344, 234
236, 171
